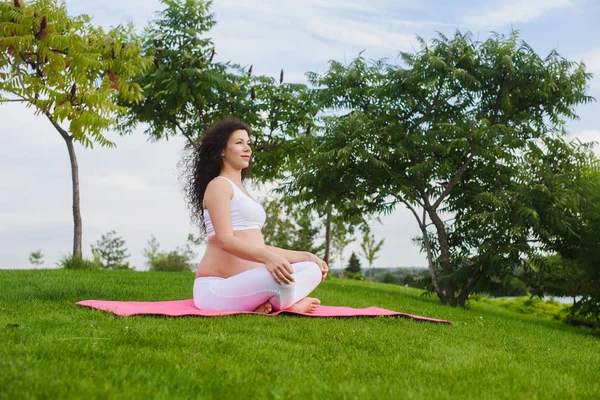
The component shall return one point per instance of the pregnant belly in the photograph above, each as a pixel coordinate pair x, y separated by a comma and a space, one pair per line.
218, 262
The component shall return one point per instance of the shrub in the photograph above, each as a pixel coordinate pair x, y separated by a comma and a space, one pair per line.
36, 258
111, 251
70, 262
173, 261
357, 276
178, 260
388, 277
525, 305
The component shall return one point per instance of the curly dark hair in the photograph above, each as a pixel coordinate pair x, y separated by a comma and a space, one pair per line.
203, 163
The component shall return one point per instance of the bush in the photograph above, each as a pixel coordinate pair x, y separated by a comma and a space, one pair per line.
178, 260
388, 277
70, 262
36, 258
170, 262
357, 276
525, 305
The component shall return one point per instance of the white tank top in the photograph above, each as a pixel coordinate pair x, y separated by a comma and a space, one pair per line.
246, 213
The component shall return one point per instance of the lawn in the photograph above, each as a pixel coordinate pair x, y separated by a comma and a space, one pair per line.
52, 348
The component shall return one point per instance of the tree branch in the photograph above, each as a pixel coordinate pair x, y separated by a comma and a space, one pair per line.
454, 181
462, 297
429, 106
60, 130
184, 133
421, 223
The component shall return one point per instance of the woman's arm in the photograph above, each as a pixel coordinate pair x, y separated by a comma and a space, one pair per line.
292, 256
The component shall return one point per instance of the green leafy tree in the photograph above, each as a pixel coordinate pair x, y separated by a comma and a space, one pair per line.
189, 88
151, 250
342, 236
69, 71
569, 264
370, 247
354, 270
111, 252
290, 227
36, 258
277, 230
438, 134
178, 260
331, 189
388, 277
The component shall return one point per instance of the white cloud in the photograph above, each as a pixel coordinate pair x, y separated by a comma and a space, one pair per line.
500, 13
359, 34
591, 60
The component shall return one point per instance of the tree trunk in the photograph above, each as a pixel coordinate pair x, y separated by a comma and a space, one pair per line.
328, 233
464, 294
423, 226
449, 289
77, 231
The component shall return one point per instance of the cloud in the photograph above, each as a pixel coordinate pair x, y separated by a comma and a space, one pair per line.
367, 34
592, 60
510, 11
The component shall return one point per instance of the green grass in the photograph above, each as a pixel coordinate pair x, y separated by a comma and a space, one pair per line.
53, 349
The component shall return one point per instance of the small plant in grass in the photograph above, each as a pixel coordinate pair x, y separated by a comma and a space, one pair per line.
36, 258
75, 262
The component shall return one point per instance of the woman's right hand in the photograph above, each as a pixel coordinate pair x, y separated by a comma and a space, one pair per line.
279, 268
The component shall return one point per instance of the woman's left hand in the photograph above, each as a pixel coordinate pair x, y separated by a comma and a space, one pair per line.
322, 264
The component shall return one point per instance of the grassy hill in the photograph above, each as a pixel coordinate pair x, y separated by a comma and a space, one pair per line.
52, 348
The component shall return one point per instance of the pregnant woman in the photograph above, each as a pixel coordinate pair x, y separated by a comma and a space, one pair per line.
238, 271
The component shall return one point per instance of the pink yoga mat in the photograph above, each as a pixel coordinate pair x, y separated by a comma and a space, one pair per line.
177, 308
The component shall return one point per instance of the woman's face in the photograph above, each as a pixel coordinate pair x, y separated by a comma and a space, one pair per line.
238, 150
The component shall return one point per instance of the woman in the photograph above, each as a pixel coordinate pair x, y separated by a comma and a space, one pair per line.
238, 271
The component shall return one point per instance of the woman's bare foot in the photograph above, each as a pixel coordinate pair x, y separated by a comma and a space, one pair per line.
264, 308
306, 305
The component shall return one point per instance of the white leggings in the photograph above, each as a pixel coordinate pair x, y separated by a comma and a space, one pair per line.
249, 289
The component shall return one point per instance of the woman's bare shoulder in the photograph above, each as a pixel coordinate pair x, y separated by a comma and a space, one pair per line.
218, 190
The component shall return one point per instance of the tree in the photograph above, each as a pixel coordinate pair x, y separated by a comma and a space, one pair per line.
290, 227
189, 89
178, 260
569, 264
36, 258
353, 264
388, 277
151, 250
341, 237
69, 71
111, 251
331, 189
440, 133
370, 248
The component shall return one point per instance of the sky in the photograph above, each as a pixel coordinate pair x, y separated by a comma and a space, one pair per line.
133, 188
